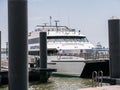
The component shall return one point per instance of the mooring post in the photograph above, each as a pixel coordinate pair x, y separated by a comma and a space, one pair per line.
6, 50
114, 47
43, 50
43, 56
17, 39
0, 51
0, 58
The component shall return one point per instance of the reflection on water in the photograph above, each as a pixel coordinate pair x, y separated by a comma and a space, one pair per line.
58, 83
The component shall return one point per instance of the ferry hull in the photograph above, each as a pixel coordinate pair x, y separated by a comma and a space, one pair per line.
82, 69
67, 68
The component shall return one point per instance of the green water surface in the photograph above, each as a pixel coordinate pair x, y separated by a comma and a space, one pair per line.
58, 83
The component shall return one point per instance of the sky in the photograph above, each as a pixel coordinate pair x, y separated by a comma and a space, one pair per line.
89, 16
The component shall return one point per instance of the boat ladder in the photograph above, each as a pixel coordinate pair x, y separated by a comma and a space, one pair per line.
97, 78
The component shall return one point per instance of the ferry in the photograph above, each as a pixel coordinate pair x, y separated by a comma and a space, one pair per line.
59, 38
66, 49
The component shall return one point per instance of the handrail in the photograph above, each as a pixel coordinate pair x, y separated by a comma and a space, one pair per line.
97, 78
94, 78
100, 78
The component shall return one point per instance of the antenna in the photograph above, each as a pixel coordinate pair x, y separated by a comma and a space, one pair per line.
56, 22
45, 24
79, 32
50, 21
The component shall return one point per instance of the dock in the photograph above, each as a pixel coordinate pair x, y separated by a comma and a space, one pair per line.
35, 73
112, 87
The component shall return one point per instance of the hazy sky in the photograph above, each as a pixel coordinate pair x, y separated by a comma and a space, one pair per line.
89, 16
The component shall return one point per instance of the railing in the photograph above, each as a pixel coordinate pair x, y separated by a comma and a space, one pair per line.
95, 56
100, 78
97, 78
85, 56
88, 56
94, 78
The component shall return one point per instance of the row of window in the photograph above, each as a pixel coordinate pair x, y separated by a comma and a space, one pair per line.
68, 40
33, 41
59, 39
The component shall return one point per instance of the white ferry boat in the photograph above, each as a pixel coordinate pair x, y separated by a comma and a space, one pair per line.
59, 38
67, 42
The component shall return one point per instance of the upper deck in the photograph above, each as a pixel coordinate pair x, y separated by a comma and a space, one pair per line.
53, 31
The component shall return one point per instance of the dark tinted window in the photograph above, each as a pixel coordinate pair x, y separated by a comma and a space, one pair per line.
33, 41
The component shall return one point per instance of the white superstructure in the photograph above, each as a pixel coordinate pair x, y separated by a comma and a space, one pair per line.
59, 38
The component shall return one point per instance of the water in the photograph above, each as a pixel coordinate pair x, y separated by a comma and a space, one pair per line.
59, 83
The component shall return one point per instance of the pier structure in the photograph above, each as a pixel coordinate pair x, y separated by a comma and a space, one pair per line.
43, 55
43, 49
17, 72
41, 63
114, 47
17, 39
40, 72
114, 50
0, 56
0, 51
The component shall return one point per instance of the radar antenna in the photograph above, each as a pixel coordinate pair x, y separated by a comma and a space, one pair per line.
50, 21
45, 24
56, 24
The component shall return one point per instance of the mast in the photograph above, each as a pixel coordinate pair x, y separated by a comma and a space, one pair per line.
56, 24
50, 21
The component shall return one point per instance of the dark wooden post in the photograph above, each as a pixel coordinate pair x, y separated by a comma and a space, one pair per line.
0, 51
43, 50
43, 56
17, 39
114, 47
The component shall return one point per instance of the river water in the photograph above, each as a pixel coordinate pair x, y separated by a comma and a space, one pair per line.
59, 83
